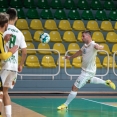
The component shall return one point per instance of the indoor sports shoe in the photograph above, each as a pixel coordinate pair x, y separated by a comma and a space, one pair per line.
110, 84
62, 113
63, 106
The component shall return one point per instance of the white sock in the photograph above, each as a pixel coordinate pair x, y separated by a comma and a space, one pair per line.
8, 110
96, 80
70, 97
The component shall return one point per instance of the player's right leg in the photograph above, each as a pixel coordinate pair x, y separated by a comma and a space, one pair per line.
110, 84
80, 82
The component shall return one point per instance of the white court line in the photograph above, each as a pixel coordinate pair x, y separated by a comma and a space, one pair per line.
98, 102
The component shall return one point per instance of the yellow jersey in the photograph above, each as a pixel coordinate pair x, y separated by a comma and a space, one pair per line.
3, 55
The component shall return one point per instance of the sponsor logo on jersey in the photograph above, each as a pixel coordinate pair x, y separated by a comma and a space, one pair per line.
84, 51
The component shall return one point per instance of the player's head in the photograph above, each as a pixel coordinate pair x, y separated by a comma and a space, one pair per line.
12, 14
86, 36
4, 18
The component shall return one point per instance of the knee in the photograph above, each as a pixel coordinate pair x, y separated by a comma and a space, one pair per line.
5, 93
74, 88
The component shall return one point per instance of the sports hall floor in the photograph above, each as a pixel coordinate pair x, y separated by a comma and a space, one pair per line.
82, 106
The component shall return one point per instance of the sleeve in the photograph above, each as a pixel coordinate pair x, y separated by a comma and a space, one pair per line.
22, 42
3, 55
93, 45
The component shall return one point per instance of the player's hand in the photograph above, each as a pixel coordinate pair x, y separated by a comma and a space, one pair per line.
13, 49
67, 57
101, 47
20, 68
7, 37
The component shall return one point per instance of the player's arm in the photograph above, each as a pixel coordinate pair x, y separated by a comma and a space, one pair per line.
98, 47
24, 53
23, 57
78, 53
5, 55
23, 47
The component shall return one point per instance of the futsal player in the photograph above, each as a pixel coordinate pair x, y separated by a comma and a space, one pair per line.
4, 55
10, 66
88, 52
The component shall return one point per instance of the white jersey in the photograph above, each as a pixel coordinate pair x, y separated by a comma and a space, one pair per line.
89, 57
17, 39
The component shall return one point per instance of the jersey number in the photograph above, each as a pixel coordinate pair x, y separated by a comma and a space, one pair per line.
12, 41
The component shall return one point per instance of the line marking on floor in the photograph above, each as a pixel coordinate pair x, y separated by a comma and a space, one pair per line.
98, 102
112, 103
21, 111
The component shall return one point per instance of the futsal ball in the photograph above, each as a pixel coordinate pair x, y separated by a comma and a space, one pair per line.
44, 37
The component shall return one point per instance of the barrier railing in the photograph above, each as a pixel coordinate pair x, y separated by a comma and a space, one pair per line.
101, 75
71, 75
21, 75
114, 63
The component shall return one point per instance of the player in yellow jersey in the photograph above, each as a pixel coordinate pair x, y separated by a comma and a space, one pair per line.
4, 18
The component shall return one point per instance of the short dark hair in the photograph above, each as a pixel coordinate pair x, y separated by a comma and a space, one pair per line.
87, 32
4, 18
12, 13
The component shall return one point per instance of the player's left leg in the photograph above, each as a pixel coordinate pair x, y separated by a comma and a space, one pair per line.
96, 80
7, 102
3, 77
6, 98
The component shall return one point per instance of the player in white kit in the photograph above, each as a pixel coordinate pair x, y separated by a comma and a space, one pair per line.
10, 66
88, 52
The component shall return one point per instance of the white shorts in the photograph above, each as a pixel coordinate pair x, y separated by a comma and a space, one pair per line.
8, 77
83, 78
